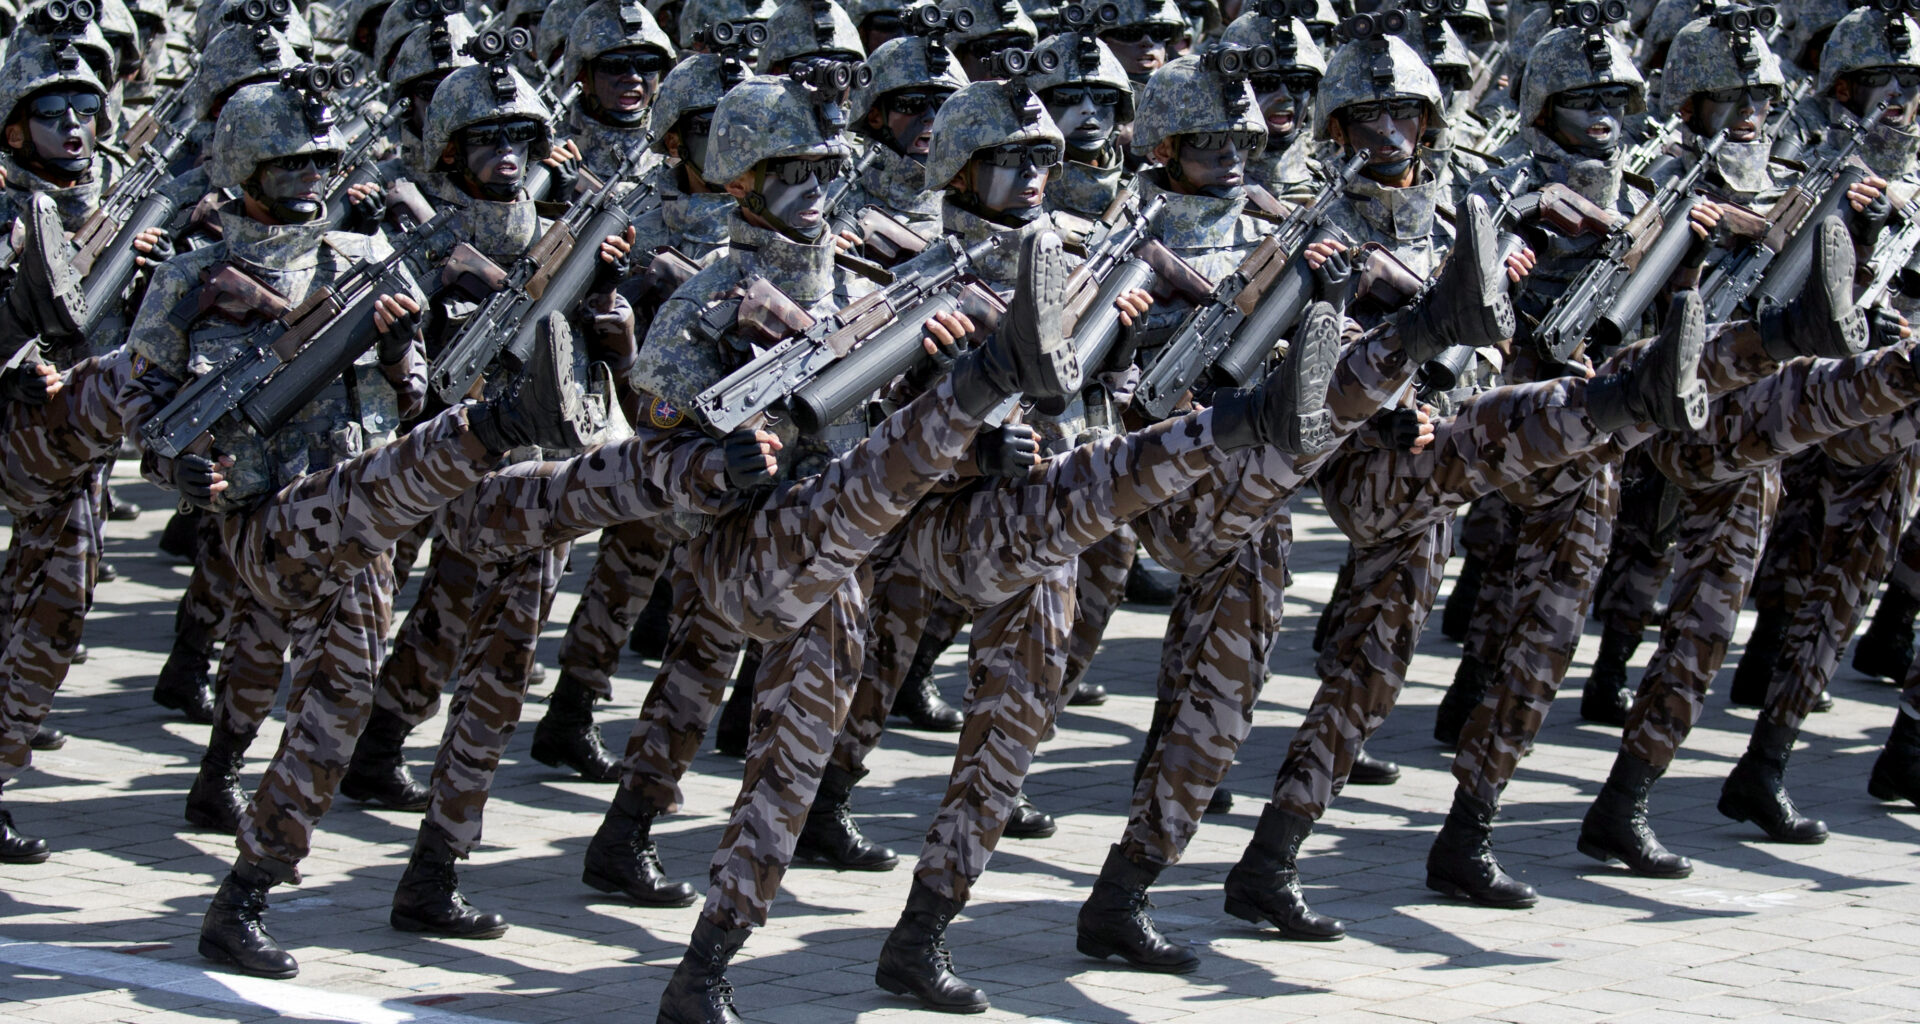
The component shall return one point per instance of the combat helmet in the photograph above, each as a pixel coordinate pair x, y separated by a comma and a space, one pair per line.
1813, 20
1206, 92
1574, 57
910, 62
698, 14
1147, 12
890, 12
269, 120
76, 25
1083, 59
239, 54
487, 90
608, 25
214, 16
439, 46
1724, 50
359, 20
1868, 38
1374, 63
694, 85
809, 28
117, 24
523, 14
769, 117
982, 116
41, 62
1291, 40
403, 16
990, 18
553, 32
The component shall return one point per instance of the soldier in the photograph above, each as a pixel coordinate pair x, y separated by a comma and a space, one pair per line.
997, 25
801, 29
699, 14
618, 55
1287, 92
1146, 35
1887, 646
912, 77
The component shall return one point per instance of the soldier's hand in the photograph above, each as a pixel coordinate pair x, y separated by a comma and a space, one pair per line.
1332, 274
616, 255
1424, 417
846, 241
1318, 253
199, 478
1870, 197
1888, 327
366, 207
565, 163
397, 319
1704, 219
1397, 429
1520, 264
1133, 304
31, 385
154, 246
750, 457
945, 332
1010, 450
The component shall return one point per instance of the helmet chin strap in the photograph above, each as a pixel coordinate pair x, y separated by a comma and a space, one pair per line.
282, 210
755, 202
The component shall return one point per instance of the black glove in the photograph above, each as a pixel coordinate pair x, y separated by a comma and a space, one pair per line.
1332, 277
1868, 223
24, 384
1398, 429
400, 335
746, 461
161, 252
566, 177
1884, 325
607, 276
365, 213
193, 477
1011, 450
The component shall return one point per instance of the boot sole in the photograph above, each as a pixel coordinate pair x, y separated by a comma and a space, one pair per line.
1606, 856
192, 713
901, 988
374, 800
1055, 360
36, 858
206, 822
821, 861
1101, 951
221, 956
1033, 834
1248, 912
408, 923
1496, 304
63, 281
1307, 375
1685, 408
604, 884
554, 761
1833, 249
1451, 889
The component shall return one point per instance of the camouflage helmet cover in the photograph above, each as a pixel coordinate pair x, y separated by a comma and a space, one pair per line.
695, 84
478, 94
1150, 12
38, 62
266, 121
990, 18
768, 117
1706, 57
1666, 21
1436, 40
215, 16
698, 14
1103, 69
1190, 95
1810, 18
901, 64
1363, 71
1868, 38
981, 116
554, 28
1291, 41
1571, 58
808, 28
608, 25
860, 10
401, 17
429, 49
239, 54
88, 40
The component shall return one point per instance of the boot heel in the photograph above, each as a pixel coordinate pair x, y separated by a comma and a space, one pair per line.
1089, 947
1880, 790
890, 984
599, 882
1596, 851
1446, 888
1245, 911
1730, 808
406, 922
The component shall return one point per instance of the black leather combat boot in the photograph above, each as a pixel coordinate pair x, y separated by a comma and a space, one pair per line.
377, 773
622, 857
831, 837
1114, 920
1616, 827
915, 961
1756, 789
1461, 863
567, 736
1265, 885
428, 897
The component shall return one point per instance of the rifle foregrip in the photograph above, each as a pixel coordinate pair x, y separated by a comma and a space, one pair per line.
1099, 327
1617, 325
854, 378
274, 404
569, 283
117, 263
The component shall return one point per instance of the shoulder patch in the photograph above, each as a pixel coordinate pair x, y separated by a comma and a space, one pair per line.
663, 414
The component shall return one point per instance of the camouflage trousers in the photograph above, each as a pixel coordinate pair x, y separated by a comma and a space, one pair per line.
1641, 556
1227, 537
1792, 553
632, 556
206, 609
1486, 534
1863, 506
47, 451
1562, 525
1397, 509
1731, 471
48, 578
899, 609
702, 650
1101, 583
1032, 526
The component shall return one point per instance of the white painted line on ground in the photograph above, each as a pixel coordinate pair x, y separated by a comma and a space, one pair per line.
129, 970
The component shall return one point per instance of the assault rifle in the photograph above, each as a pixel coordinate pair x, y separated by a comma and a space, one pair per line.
1893, 259
1248, 312
864, 345
136, 204
1663, 134
551, 277
1112, 269
355, 168
266, 384
1597, 289
1671, 209
1501, 129
1491, 68
1775, 267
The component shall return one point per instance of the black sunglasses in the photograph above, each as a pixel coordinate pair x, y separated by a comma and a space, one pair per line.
487, 136
325, 163
1020, 155
1298, 83
1162, 34
1074, 95
619, 65
1613, 97
1399, 110
796, 170
1745, 93
54, 106
1875, 78
1242, 140
913, 104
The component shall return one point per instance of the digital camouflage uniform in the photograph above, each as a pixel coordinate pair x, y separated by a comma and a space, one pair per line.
604, 26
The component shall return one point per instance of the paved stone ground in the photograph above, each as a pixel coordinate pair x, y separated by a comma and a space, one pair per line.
105, 931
